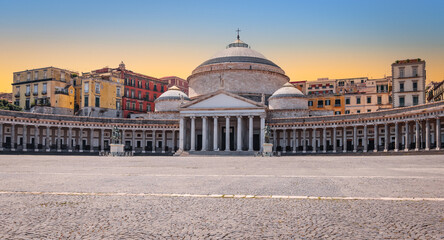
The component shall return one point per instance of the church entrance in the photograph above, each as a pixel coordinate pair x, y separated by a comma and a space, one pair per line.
199, 142
256, 142
231, 139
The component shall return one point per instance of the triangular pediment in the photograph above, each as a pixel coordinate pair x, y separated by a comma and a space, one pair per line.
222, 99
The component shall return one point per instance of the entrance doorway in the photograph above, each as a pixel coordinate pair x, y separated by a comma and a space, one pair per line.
256, 142
231, 139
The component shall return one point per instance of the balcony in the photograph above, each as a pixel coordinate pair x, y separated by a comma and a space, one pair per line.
44, 92
28, 94
35, 93
61, 91
17, 95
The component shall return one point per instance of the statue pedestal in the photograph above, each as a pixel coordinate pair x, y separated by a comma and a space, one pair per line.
117, 149
268, 147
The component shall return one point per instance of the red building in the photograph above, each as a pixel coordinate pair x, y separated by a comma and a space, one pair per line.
140, 91
182, 84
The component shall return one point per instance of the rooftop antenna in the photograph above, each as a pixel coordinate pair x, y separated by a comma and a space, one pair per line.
238, 31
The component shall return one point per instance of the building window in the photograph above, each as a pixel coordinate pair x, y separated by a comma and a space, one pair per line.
154, 97
369, 99
401, 101
415, 71
86, 87
347, 101
36, 89
401, 87
358, 100
28, 90
148, 108
132, 93
134, 106
118, 92
86, 101
358, 111
97, 101
62, 77
140, 107
155, 87
310, 103
140, 95
97, 88
347, 111
28, 76
27, 103
44, 91
415, 100
45, 74
36, 75
401, 72
147, 96
127, 105
379, 100
118, 105
390, 99
127, 93
369, 110
337, 102
327, 102
338, 113
320, 103
415, 86
147, 85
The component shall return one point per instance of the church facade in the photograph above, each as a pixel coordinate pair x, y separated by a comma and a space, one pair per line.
232, 98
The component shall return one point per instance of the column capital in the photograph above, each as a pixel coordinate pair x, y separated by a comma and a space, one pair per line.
204, 117
193, 117
239, 116
215, 117
250, 116
228, 117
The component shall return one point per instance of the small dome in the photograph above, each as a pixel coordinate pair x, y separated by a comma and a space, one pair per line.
173, 93
288, 90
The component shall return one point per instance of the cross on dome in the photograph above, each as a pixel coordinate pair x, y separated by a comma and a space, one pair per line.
238, 31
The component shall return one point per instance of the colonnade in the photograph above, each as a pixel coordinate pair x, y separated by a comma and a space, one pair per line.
26, 137
394, 136
240, 135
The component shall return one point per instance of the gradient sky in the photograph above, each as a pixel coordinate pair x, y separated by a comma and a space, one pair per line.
307, 39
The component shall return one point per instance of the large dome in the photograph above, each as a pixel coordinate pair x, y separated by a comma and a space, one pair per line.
170, 100
288, 97
239, 51
237, 69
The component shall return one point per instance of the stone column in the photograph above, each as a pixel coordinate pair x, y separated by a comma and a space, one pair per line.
91, 138
334, 139
133, 141
375, 136
13, 137
274, 140
250, 133
204, 134
386, 133
284, 136
59, 139
239, 133
164, 141
396, 137
48, 139
36, 138
81, 140
344, 141
69, 139
102, 140
304, 143
355, 138
324, 139
144, 140
1, 136
313, 140
262, 140
417, 140
406, 140
227, 133
193, 134
215, 134
181, 134
438, 134
365, 140
154, 141
25, 138
173, 138
427, 136
294, 140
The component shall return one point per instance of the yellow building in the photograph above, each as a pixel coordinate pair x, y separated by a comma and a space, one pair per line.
331, 102
45, 87
100, 94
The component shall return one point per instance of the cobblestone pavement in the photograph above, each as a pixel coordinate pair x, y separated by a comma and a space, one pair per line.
115, 216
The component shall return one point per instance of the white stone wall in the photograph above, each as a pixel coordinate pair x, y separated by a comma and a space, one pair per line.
236, 81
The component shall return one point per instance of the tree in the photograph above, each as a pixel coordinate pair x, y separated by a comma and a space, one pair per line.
5, 105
